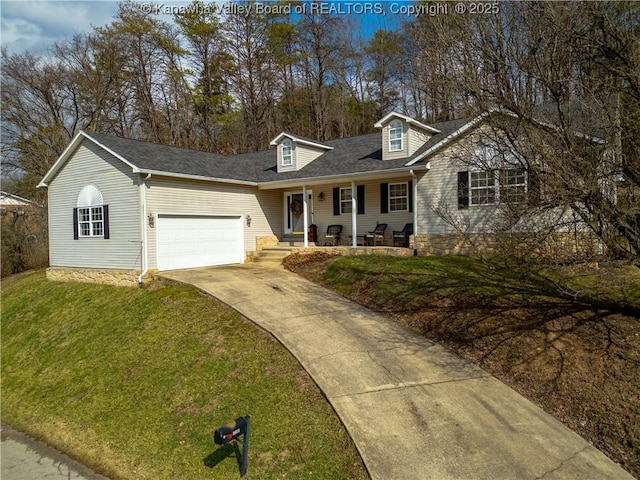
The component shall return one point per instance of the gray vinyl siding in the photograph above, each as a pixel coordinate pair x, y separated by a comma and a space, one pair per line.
294, 153
90, 164
301, 156
388, 155
416, 139
412, 140
438, 197
305, 155
181, 197
323, 211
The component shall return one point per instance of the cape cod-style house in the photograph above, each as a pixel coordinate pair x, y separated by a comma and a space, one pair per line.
121, 208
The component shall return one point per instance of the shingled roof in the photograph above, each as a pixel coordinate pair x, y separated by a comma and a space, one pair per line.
350, 156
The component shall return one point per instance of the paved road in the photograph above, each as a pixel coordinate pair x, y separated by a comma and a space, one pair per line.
23, 458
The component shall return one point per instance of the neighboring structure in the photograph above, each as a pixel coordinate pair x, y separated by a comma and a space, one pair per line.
11, 204
122, 208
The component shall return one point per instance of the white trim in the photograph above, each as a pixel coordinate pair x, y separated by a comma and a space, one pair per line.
160, 173
75, 143
393, 130
467, 126
380, 123
297, 139
371, 175
286, 143
389, 196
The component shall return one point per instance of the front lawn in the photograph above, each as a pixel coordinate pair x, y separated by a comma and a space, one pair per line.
566, 337
133, 382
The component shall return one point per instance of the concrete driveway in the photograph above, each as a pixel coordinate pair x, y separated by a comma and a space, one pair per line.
413, 409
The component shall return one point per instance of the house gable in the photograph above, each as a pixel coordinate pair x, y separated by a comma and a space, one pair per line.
295, 153
90, 168
402, 136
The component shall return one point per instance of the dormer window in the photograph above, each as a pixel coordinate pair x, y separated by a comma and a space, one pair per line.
287, 153
395, 136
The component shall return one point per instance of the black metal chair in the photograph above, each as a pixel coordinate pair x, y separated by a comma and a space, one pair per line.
333, 235
401, 237
372, 238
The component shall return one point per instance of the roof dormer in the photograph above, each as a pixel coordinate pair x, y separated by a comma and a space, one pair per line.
402, 136
296, 152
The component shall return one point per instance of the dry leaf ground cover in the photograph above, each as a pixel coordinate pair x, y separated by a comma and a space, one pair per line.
566, 337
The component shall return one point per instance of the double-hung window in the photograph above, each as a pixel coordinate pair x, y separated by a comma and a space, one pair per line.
345, 200
513, 185
490, 187
91, 216
287, 153
395, 136
398, 197
482, 187
91, 221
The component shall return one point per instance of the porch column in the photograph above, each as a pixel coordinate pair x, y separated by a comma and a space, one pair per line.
305, 215
354, 214
415, 208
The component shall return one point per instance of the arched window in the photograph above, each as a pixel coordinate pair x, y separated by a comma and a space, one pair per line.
395, 136
287, 152
91, 216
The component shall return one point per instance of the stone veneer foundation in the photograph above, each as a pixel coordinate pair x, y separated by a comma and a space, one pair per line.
122, 278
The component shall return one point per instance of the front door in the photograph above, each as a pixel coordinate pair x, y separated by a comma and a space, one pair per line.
294, 211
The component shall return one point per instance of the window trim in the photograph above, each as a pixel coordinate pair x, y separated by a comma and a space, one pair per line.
395, 197
498, 187
344, 202
514, 187
396, 134
91, 225
494, 188
287, 157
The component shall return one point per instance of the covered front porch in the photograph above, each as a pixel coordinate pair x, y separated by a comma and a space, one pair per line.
344, 212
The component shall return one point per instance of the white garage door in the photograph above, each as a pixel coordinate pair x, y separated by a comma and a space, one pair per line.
198, 241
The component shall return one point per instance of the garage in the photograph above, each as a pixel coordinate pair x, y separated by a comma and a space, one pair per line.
186, 241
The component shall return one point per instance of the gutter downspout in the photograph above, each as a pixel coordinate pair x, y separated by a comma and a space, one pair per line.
144, 260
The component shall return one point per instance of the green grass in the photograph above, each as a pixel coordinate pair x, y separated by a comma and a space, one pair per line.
133, 383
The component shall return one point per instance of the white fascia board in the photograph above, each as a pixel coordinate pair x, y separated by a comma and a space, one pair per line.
296, 139
160, 173
449, 138
378, 174
70, 149
412, 121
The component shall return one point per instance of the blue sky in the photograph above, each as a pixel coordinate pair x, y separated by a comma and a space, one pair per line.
36, 25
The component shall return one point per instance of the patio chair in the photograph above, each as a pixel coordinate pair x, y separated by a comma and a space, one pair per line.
333, 235
401, 237
377, 236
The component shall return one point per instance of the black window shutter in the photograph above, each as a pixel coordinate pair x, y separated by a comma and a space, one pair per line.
76, 234
534, 188
105, 219
384, 198
463, 190
360, 195
336, 201
410, 188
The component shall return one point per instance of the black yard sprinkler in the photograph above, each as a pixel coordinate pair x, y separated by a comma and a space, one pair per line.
230, 432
